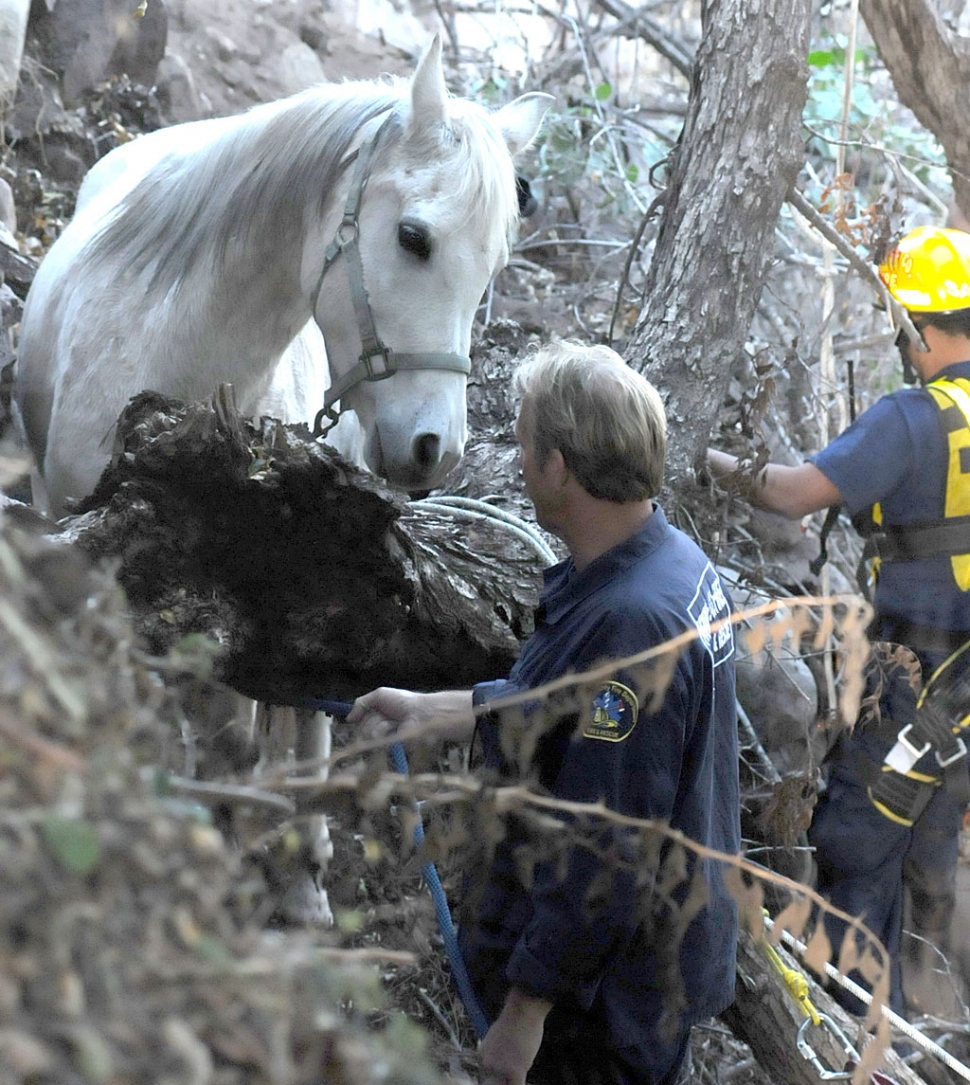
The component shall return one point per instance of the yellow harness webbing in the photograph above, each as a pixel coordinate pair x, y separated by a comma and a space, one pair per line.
957, 502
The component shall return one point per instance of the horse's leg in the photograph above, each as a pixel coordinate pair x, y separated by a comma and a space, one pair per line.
300, 734
306, 900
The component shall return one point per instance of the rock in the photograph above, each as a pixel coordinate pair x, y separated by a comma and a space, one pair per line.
299, 68
8, 210
224, 46
87, 41
178, 95
11, 308
141, 45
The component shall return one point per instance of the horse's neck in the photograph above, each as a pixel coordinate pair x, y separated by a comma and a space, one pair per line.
259, 303
294, 391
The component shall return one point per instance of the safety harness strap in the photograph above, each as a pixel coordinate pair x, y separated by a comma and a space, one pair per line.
942, 717
947, 537
939, 723
909, 541
901, 798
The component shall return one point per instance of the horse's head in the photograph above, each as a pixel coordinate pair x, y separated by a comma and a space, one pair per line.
429, 207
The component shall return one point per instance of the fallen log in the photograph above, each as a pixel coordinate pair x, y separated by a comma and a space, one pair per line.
767, 1018
314, 578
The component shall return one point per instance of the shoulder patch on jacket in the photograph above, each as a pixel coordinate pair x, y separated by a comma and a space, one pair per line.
614, 715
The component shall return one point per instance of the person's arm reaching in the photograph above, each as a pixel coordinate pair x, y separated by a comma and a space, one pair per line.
792, 491
446, 715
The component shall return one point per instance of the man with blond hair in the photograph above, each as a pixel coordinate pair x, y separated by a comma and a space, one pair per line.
594, 964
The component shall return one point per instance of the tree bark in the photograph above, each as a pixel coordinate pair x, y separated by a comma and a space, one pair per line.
930, 68
736, 159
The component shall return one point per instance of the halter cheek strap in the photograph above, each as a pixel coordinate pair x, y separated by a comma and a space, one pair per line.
376, 361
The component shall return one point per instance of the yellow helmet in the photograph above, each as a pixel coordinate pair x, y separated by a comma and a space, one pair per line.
928, 270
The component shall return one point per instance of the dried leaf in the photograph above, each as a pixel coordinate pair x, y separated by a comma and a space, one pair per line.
754, 637
750, 899
818, 952
793, 919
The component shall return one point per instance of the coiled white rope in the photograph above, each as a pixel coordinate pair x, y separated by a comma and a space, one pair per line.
897, 1022
473, 509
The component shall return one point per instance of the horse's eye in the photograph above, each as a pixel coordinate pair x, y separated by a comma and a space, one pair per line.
415, 240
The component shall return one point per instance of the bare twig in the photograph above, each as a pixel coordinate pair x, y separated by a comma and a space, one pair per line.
19, 734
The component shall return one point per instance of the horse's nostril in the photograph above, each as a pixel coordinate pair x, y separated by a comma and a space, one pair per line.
427, 450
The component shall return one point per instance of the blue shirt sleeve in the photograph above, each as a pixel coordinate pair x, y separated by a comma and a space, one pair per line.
872, 458
483, 692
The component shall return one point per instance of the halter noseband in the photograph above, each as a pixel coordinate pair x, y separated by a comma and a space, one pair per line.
376, 361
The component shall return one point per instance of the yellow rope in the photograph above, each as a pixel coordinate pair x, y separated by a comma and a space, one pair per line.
795, 981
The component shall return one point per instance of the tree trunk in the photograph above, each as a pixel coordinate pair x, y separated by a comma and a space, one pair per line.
736, 159
930, 68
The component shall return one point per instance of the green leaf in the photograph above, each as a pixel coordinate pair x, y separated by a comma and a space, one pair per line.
349, 920
819, 58
603, 91
632, 173
75, 843
827, 58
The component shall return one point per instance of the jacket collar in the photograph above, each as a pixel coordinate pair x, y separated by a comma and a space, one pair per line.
565, 587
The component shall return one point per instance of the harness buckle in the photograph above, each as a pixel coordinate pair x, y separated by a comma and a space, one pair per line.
960, 752
808, 1052
917, 753
384, 370
348, 231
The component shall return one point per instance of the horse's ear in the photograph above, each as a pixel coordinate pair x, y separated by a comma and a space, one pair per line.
429, 95
519, 120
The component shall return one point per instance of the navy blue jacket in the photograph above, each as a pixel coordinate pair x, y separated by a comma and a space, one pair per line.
603, 939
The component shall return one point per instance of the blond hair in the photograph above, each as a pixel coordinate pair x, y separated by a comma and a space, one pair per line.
607, 420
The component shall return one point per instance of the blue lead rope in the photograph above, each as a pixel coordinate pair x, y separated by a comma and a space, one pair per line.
449, 935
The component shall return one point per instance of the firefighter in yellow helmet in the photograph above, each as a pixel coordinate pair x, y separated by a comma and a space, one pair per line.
889, 818
926, 272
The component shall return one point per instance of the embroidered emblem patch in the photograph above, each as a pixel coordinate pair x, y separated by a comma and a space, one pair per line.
615, 712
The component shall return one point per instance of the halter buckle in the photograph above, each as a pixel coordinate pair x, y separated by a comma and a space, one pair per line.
348, 231
385, 369
321, 430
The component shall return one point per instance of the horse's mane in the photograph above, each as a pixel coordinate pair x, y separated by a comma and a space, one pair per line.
253, 180
187, 211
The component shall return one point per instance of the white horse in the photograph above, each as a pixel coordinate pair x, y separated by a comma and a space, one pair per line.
375, 212
298, 383
303, 252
